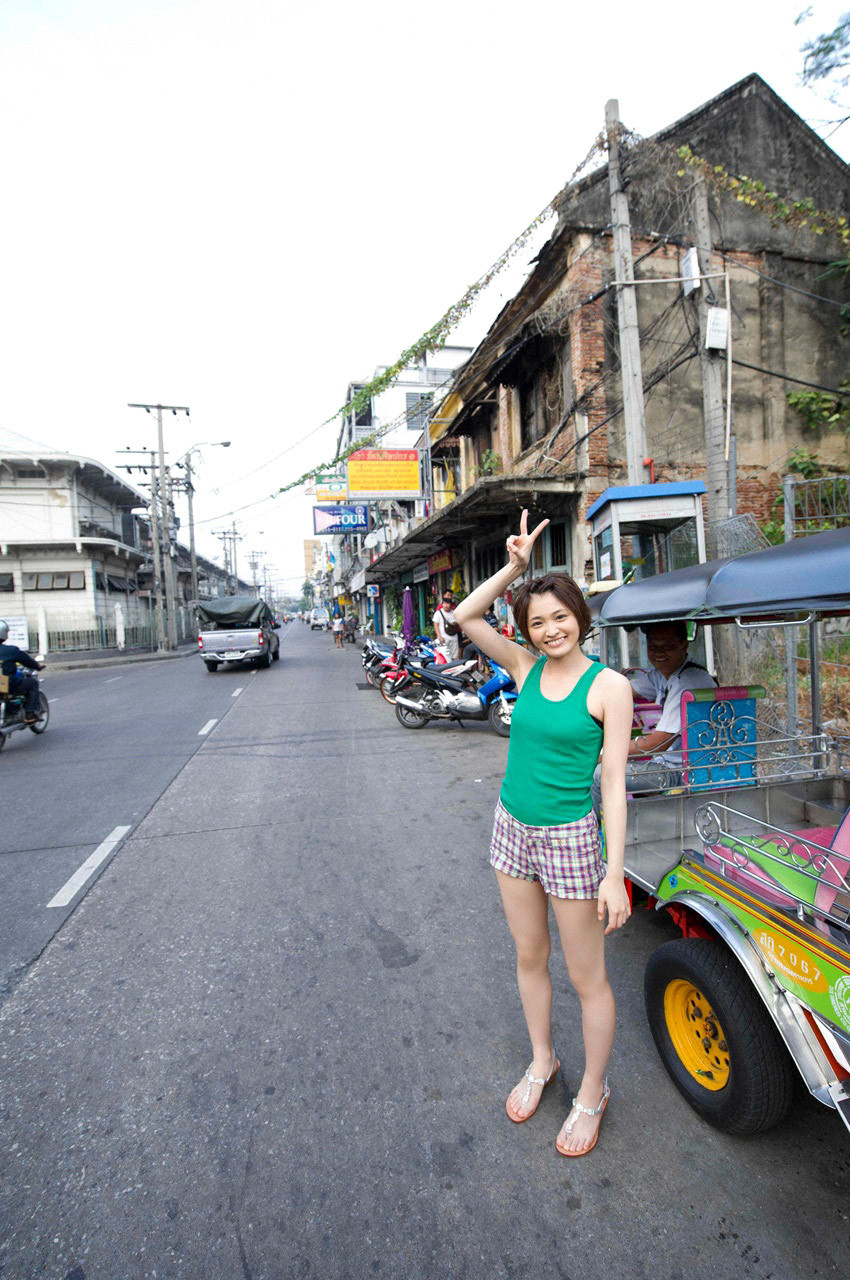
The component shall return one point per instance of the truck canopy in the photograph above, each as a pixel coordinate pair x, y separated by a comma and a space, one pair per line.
233, 611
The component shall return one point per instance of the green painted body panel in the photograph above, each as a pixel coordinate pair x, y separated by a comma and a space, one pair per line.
804, 963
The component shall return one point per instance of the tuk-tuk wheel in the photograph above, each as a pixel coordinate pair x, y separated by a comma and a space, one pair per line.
715, 1037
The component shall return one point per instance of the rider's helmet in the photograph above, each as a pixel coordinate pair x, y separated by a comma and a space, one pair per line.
4, 631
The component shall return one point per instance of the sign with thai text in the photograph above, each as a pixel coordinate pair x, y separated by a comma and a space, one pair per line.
440, 562
331, 486
330, 520
384, 473
18, 632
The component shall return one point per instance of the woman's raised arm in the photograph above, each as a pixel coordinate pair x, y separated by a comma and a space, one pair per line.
470, 612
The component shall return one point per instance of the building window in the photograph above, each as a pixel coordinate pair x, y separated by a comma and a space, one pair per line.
54, 581
418, 408
559, 554
489, 560
531, 424
363, 416
7, 582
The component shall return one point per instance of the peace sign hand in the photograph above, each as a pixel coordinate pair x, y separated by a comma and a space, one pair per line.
519, 545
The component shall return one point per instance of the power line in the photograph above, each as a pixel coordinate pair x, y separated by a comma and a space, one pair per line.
786, 377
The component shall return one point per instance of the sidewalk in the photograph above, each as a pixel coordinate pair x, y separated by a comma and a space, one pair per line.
113, 657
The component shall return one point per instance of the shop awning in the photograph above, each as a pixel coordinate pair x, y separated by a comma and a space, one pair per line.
488, 503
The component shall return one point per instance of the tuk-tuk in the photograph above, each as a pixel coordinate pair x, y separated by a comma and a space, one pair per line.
750, 853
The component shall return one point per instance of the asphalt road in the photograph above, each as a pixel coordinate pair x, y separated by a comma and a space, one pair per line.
275, 1037
117, 737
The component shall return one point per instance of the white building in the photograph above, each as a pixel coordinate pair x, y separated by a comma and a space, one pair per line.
72, 547
400, 415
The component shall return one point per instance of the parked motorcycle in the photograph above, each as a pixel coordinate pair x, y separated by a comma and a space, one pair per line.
374, 653
449, 695
350, 629
379, 657
12, 712
396, 672
401, 672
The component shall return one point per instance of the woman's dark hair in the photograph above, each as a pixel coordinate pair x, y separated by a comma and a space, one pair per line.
560, 585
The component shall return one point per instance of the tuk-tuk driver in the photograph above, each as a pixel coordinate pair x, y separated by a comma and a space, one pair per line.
655, 757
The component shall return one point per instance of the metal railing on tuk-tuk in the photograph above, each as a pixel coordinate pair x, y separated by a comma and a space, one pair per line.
749, 853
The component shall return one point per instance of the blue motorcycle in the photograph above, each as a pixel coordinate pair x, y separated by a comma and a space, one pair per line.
447, 693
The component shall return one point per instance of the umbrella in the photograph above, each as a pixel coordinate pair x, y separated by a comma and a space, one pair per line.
408, 622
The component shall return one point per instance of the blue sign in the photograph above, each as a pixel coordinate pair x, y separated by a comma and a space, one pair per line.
329, 520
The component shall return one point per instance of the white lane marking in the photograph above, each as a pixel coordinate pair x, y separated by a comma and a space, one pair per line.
112, 679
236, 693
210, 724
79, 878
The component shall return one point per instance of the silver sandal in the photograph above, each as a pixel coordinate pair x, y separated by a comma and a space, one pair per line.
556, 1066
579, 1109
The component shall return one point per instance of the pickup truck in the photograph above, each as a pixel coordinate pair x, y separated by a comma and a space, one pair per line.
237, 629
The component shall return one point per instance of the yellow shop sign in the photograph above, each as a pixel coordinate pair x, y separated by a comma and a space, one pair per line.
786, 955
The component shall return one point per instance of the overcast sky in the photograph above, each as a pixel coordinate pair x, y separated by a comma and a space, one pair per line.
243, 206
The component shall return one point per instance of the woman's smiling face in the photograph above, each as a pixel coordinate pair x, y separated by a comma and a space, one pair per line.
552, 628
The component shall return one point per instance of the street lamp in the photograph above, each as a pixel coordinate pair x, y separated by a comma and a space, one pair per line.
186, 461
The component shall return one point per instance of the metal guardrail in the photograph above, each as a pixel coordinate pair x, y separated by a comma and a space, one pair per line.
102, 636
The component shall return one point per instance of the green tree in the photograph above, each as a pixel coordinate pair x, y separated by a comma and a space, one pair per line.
827, 56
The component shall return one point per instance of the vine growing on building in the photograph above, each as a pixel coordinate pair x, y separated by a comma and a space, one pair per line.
754, 194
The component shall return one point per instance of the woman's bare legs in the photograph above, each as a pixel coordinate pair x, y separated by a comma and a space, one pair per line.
527, 911
583, 941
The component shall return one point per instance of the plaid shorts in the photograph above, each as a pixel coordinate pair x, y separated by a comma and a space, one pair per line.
566, 859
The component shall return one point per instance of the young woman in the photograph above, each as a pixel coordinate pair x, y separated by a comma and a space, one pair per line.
546, 844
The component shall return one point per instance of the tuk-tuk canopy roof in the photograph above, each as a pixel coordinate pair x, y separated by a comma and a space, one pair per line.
235, 611
808, 575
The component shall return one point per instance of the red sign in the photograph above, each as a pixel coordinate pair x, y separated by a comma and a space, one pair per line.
440, 562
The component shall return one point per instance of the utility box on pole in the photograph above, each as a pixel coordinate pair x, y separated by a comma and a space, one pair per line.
711, 367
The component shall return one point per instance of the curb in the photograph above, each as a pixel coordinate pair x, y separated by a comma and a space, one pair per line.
117, 660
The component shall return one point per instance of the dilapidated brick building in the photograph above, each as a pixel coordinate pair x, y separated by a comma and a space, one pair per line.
535, 417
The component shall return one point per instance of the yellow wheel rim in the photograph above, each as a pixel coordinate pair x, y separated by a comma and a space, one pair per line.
697, 1035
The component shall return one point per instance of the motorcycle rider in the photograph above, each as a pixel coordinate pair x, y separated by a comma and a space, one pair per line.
10, 658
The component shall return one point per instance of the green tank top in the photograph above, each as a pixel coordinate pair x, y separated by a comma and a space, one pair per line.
554, 749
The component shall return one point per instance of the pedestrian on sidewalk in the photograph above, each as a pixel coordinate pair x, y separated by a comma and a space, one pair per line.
546, 844
446, 630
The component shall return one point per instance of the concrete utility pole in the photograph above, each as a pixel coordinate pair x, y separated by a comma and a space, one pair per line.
627, 320
234, 538
711, 367
190, 491
156, 581
223, 537
169, 557
157, 564
169, 572
254, 562
229, 538
186, 461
